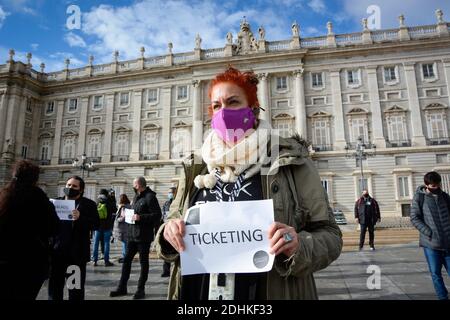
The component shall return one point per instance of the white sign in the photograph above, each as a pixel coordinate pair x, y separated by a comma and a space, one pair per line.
64, 208
228, 237
129, 213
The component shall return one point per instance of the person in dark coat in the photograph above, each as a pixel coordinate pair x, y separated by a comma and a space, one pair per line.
105, 227
367, 214
72, 244
27, 222
147, 214
430, 214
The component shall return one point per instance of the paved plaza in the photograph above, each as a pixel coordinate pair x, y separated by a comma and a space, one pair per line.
403, 269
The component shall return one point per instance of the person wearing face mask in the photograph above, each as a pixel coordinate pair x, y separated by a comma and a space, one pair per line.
367, 214
430, 214
72, 244
147, 214
304, 237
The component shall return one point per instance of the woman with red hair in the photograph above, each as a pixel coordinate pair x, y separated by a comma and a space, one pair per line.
304, 237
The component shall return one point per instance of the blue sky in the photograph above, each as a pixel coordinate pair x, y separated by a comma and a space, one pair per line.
39, 26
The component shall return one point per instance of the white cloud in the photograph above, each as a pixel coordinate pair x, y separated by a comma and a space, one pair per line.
312, 31
74, 40
22, 6
34, 46
416, 12
147, 23
317, 6
3, 16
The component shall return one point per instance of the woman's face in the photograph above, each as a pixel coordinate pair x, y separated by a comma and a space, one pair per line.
228, 95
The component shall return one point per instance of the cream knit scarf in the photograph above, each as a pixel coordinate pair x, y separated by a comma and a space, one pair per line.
248, 155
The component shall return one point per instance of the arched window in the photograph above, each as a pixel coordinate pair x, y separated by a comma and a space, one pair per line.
283, 123
181, 140
45, 149
358, 125
69, 147
320, 125
94, 146
436, 115
397, 127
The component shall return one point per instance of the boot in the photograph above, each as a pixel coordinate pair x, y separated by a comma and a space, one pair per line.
140, 294
118, 292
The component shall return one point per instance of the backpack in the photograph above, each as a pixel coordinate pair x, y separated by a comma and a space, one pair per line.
102, 211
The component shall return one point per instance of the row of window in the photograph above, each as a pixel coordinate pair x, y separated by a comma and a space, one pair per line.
124, 100
180, 140
390, 74
320, 127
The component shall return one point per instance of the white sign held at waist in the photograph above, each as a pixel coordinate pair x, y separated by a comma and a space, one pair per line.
129, 213
228, 237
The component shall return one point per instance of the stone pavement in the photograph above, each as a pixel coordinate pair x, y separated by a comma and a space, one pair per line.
404, 276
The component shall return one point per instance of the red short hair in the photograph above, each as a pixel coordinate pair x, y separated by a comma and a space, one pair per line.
247, 81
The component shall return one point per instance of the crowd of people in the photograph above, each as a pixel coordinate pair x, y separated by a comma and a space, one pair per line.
304, 237
57, 248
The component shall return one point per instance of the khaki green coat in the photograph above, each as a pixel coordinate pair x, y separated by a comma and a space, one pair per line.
299, 200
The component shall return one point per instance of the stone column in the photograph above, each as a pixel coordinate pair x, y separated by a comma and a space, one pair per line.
446, 63
375, 107
60, 104
136, 134
33, 149
339, 128
418, 139
20, 125
166, 96
300, 107
107, 143
197, 117
4, 97
12, 114
83, 122
263, 93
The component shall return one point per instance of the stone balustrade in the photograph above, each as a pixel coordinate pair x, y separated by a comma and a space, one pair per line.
311, 43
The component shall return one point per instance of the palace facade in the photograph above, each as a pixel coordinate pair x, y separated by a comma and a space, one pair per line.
141, 117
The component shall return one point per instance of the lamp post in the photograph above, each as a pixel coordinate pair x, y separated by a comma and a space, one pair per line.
360, 154
83, 165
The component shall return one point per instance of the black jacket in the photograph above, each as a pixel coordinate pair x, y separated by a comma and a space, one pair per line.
372, 216
73, 240
430, 214
145, 205
25, 231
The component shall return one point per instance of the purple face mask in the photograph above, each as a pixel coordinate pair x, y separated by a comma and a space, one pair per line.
232, 124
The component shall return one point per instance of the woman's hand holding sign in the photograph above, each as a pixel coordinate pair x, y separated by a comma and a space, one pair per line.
174, 232
283, 239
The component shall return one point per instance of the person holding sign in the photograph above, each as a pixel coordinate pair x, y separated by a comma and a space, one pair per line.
72, 244
145, 214
27, 221
244, 160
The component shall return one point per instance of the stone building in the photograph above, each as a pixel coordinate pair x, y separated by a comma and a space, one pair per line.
140, 117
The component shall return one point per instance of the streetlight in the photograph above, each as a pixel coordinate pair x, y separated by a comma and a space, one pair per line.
83, 164
360, 154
